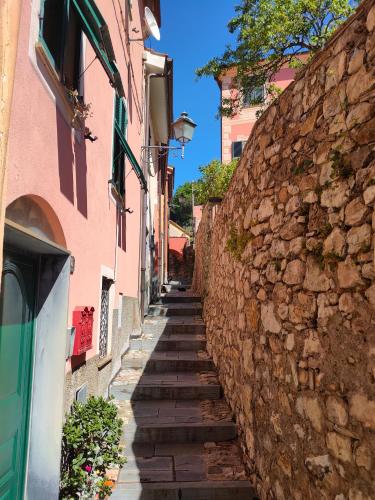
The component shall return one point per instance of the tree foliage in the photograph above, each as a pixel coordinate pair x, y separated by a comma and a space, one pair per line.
181, 206
272, 33
214, 182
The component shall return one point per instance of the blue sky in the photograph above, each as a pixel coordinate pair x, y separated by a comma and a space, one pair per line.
191, 33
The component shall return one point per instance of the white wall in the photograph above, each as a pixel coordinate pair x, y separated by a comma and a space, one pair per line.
43, 470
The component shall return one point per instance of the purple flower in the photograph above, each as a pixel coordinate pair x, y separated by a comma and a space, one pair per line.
88, 468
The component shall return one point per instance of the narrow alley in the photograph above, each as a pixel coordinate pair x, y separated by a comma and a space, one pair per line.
187, 233
179, 435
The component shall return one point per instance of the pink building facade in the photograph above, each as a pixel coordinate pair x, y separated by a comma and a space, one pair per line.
197, 216
236, 130
78, 218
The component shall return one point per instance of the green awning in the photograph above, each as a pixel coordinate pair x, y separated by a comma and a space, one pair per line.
97, 32
130, 155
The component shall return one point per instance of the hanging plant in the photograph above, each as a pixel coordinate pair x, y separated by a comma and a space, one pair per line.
81, 110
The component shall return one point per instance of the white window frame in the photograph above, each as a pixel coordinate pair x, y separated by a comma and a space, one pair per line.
106, 272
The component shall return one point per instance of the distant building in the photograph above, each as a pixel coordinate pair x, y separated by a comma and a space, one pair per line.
197, 216
236, 130
179, 253
176, 231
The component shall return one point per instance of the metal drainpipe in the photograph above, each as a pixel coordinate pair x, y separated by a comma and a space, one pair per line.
118, 219
161, 236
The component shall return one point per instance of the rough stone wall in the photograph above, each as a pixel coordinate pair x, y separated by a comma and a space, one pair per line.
290, 284
203, 244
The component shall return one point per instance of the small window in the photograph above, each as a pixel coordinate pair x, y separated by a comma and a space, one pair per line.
72, 52
61, 35
254, 97
237, 148
119, 135
53, 13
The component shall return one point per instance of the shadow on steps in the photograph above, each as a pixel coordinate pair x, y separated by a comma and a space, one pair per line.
179, 435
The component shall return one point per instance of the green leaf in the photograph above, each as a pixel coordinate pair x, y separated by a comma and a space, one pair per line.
274, 33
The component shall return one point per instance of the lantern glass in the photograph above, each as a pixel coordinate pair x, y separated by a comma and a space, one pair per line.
183, 128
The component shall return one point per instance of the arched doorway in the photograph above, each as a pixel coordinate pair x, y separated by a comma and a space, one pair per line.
35, 214
33, 321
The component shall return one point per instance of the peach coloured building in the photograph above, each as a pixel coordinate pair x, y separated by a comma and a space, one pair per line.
236, 130
82, 210
197, 216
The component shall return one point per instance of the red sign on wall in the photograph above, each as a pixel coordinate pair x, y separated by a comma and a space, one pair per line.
83, 319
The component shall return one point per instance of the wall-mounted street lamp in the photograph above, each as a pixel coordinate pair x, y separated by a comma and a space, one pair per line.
183, 131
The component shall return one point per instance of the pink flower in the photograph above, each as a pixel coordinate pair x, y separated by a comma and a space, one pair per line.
88, 468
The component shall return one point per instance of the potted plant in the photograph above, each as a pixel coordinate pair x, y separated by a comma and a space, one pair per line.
90, 448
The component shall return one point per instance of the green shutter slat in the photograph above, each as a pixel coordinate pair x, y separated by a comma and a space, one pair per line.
117, 109
130, 155
123, 113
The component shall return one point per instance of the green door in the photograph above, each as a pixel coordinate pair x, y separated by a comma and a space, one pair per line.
16, 340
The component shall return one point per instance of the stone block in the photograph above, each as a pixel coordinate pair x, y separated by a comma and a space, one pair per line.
340, 446
269, 321
363, 410
315, 279
295, 272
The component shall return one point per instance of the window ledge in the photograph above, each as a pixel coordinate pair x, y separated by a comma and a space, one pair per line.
66, 107
255, 105
116, 195
103, 362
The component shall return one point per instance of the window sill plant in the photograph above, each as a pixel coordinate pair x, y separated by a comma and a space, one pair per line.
81, 110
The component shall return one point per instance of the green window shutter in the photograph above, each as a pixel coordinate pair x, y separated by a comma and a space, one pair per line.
96, 30
120, 115
121, 149
135, 165
118, 161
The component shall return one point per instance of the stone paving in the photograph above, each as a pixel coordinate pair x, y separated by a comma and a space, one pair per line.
179, 437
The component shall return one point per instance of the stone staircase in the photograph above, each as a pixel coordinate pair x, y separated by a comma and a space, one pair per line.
179, 437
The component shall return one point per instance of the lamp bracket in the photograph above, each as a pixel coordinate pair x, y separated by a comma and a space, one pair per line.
162, 151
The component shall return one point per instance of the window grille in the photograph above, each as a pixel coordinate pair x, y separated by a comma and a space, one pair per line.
255, 97
104, 317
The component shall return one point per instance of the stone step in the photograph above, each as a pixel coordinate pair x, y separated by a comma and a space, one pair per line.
183, 462
136, 386
179, 437
184, 467
168, 361
185, 343
173, 309
199, 490
176, 421
179, 432
179, 298
169, 342
177, 324
166, 392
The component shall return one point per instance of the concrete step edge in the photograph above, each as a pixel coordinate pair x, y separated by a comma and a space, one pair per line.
183, 425
192, 484
202, 392
203, 490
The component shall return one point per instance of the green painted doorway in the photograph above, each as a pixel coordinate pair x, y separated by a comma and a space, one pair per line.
17, 303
